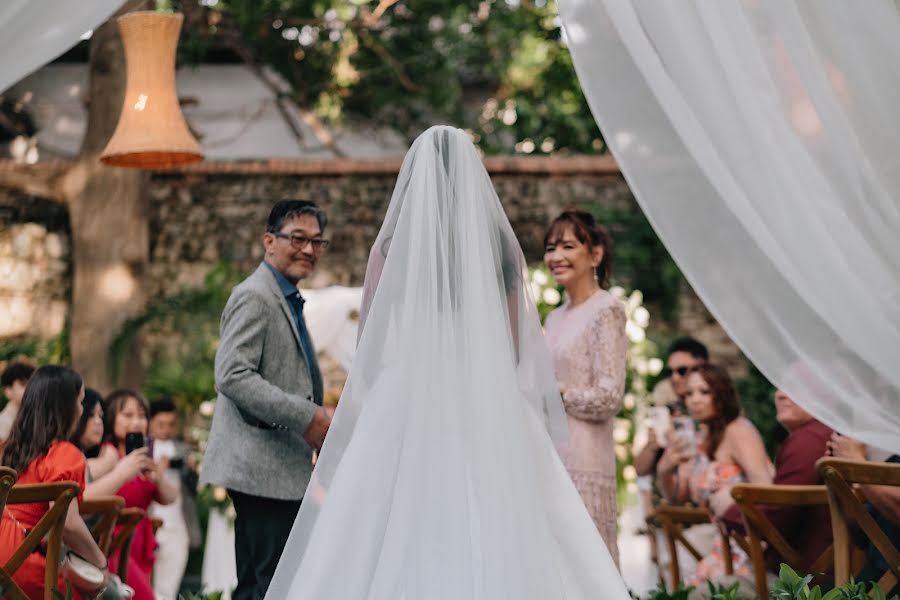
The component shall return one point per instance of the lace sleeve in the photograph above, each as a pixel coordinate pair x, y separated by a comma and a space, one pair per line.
601, 398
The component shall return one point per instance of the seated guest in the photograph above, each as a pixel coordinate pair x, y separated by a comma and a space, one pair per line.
89, 434
727, 449
127, 412
14, 379
808, 529
39, 450
883, 505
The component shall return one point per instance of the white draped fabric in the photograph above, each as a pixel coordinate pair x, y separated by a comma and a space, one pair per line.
332, 315
34, 32
760, 139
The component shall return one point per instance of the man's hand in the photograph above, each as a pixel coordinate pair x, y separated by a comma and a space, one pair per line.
842, 446
318, 429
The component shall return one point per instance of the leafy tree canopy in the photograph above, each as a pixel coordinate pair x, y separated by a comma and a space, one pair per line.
499, 68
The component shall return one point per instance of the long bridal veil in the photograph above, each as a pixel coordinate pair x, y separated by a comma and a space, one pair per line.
439, 479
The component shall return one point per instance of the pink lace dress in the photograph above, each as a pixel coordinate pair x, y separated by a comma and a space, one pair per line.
588, 344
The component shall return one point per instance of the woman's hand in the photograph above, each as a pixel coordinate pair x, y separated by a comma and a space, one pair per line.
677, 452
134, 464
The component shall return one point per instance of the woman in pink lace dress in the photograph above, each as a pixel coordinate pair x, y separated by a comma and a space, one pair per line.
586, 336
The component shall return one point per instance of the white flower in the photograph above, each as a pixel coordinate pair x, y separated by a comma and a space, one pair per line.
617, 291
642, 316
634, 333
539, 277
551, 296
219, 494
640, 365
207, 408
628, 402
656, 366
621, 452
620, 431
632, 487
629, 473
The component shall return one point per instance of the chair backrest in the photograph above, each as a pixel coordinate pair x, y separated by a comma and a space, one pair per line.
749, 498
51, 525
674, 520
7, 480
106, 510
848, 510
126, 523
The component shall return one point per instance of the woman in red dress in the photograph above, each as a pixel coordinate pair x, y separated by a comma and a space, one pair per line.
126, 412
37, 449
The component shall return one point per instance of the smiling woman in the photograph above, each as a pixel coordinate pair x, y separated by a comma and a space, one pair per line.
587, 338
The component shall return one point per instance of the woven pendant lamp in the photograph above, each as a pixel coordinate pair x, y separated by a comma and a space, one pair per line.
151, 133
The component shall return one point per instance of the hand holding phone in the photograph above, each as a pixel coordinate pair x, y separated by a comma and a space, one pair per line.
133, 441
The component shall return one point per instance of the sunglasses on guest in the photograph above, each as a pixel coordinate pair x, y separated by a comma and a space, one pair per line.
682, 371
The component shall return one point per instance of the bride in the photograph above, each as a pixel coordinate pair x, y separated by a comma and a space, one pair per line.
440, 479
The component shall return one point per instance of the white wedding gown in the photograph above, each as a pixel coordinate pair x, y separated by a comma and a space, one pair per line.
440, 478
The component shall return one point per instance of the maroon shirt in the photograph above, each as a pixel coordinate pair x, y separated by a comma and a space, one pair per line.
806, 528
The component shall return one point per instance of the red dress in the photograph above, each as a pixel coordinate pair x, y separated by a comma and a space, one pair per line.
139, 493
63, 462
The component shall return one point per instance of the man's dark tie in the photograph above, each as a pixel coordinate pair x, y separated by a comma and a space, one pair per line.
315, 374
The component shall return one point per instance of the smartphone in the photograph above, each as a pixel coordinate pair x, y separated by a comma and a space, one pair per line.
684, 429
133, 441
149, 447
176, 462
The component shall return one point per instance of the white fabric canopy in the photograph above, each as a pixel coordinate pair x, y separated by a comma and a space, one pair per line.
760, 139
34, 32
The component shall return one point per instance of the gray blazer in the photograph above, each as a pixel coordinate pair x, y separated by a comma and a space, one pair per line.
265, 400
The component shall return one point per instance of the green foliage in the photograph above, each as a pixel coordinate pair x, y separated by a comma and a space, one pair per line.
661, 593
206, 596
498, 68
54, 351
756, 395
641, 261
791, 586
181, 334
718, 591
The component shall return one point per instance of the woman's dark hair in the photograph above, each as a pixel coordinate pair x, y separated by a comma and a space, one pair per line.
92, 399
725, 401
587, 231
47, 415
115, 402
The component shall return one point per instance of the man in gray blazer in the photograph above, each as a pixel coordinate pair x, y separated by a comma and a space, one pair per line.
269, 417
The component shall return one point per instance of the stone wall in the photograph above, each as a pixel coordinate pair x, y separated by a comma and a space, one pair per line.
35, 267
201, 216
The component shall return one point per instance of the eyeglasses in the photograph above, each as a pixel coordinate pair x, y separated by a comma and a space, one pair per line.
682, 371
299, 242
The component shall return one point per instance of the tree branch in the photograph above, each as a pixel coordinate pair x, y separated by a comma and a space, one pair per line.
389, 60
27, 181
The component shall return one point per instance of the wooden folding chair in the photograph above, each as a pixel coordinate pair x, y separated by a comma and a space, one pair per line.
107, 508
7, 480
848, 511
60, 494
127, 522
749, 498
674, 520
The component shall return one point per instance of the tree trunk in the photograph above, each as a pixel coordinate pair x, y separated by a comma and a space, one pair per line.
109, 219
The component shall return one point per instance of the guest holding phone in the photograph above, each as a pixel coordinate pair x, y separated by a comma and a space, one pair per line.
126, 423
